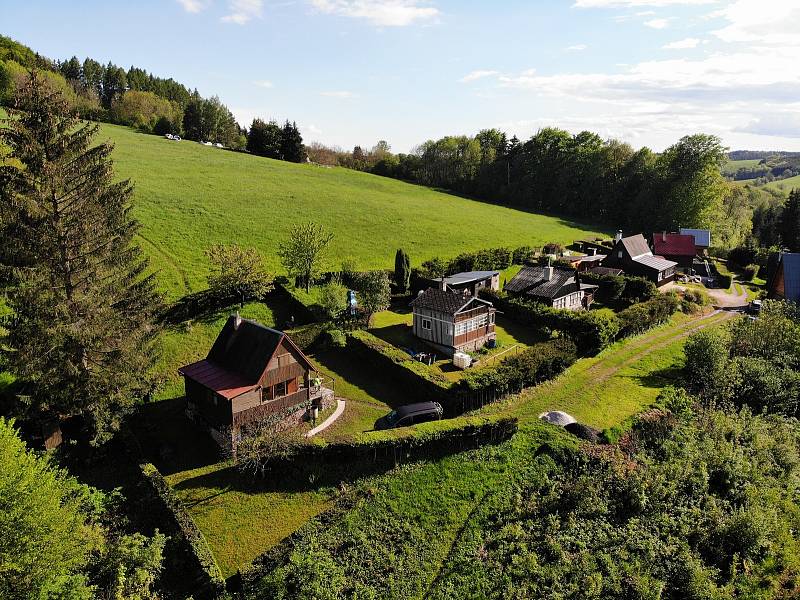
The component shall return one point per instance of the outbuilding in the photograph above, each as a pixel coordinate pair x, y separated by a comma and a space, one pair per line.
634, 257
558, 287
453, 321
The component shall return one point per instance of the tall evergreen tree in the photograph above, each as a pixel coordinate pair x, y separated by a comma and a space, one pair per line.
82, 339
790, 222
292, 148
402, 270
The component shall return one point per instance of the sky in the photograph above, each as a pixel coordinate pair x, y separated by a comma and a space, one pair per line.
357, 71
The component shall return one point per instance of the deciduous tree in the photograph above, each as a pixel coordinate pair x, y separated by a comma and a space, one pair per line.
238, 273
302, 251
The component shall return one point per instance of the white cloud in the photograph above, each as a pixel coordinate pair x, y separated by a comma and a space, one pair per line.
577, 47
311, 129
243, 11
475, 75
771, 22
774, 125
657, 23
635, 3
384, 13
193, 6
683, 44
342, 94
264, 83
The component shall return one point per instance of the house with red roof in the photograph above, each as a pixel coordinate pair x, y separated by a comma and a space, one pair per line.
252, 374
677, 247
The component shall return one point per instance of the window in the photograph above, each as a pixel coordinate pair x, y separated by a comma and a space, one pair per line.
426, 324
619, 253
280, 389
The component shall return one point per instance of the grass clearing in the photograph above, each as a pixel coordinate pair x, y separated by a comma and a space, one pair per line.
784, 185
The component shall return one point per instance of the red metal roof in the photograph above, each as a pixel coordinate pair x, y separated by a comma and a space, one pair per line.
674, 244
224, 382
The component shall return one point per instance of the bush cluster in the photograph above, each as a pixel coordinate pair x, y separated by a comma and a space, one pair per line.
531, 367
488, 259
615, 289
640, 317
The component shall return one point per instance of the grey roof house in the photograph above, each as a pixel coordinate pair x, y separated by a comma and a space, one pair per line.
632, 254
558, 287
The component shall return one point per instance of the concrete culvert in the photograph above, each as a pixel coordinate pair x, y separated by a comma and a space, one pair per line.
583, 432
557, 417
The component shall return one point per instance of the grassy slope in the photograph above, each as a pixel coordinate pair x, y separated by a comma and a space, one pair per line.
190, 196
785, 185
731, 166
430, 506
438, 496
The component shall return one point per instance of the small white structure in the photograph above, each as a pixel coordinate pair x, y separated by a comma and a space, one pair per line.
462, 360
557, 417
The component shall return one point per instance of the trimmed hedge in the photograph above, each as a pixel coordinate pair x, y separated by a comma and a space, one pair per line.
210, 583
418, 379
387, 448
531, 367
591, 331
638, 318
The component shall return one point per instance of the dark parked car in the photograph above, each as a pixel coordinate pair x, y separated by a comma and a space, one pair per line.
411, 414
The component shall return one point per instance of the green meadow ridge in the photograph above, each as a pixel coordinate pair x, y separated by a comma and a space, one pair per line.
189, 197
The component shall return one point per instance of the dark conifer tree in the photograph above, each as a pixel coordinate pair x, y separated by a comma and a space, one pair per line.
82, 339
292, 148
790, 222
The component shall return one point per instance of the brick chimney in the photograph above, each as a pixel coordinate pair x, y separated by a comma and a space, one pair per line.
618, 237
548, 272
237, 320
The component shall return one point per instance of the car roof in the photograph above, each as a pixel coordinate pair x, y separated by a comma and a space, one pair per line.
417, 407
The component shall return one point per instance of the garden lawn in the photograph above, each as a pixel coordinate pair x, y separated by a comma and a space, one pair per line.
189, 197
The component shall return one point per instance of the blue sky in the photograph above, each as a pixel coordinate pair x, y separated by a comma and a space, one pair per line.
356, 71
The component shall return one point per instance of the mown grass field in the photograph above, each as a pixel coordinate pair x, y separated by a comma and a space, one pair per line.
785, 185
189, 197
731, 166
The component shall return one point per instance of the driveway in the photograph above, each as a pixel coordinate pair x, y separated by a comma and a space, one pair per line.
719, 298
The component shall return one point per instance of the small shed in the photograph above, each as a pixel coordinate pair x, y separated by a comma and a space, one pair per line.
473, 281
558, 287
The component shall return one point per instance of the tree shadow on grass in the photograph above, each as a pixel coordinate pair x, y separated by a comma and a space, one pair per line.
170, 440
348, 367
204, 307
400, 336
661, 378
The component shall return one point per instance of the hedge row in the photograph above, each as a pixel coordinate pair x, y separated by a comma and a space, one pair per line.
425, 441
533, 366
591, 331
421, 382
621, 288
210, 583
488, 259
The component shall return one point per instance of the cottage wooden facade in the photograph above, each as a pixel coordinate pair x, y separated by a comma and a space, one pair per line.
633, 255
251, 374
452, 321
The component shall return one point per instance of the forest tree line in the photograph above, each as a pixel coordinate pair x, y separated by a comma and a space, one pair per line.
139, 99
587, 178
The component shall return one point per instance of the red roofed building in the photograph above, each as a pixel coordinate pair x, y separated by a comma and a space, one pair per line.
677, 247
251, 374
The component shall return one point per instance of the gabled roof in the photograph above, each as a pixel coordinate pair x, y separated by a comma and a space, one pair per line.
469, 277
531, 281
636, 245
702, 237
658, 263
239, 357
790, 263
445, 301
674, 244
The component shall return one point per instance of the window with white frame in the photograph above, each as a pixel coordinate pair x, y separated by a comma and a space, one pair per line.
426, 324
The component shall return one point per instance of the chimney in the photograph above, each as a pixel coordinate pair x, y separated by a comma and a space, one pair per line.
664, 236
548, 272
237, 320
618, 237
443, 285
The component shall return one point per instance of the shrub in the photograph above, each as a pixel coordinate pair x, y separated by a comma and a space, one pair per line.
333, 338
638, 318
522, 255
693, 299
638, 289
333, 298
749, 272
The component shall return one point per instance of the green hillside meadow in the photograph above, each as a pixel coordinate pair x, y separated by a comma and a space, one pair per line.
190, 196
